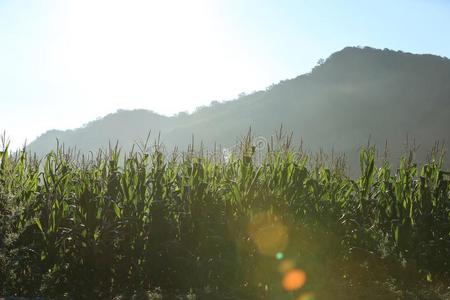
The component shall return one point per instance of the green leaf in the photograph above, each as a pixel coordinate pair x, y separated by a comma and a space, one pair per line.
117, 210
396, 234
39, 225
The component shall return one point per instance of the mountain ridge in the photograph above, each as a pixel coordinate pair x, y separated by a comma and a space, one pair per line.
354, 94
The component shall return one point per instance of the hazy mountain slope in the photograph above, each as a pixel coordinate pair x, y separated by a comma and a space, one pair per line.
128, 127
354, 94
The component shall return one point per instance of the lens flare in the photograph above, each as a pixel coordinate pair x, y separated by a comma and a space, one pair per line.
279, 255
269, 234
307, 296
270, 239
293, 280
286, 266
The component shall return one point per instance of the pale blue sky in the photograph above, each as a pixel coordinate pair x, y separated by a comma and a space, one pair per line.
64, 63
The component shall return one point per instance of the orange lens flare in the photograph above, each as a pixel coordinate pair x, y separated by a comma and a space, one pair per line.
269, 234
270, 239
293, 280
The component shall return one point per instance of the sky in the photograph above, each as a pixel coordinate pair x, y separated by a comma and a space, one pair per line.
64, 63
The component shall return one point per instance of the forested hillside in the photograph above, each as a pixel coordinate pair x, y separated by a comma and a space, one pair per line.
355, 95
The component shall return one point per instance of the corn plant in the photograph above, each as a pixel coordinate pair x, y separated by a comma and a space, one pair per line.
97, 226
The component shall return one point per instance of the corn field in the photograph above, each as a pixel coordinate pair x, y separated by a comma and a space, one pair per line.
195, 226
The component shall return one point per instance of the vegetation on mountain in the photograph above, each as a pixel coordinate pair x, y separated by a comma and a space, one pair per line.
355, 94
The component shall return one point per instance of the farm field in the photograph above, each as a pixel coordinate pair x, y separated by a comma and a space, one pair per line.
224, 150
192, 225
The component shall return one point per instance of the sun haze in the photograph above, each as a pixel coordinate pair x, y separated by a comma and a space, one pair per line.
65, 63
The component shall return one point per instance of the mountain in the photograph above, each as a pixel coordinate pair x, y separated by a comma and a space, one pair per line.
355, 94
